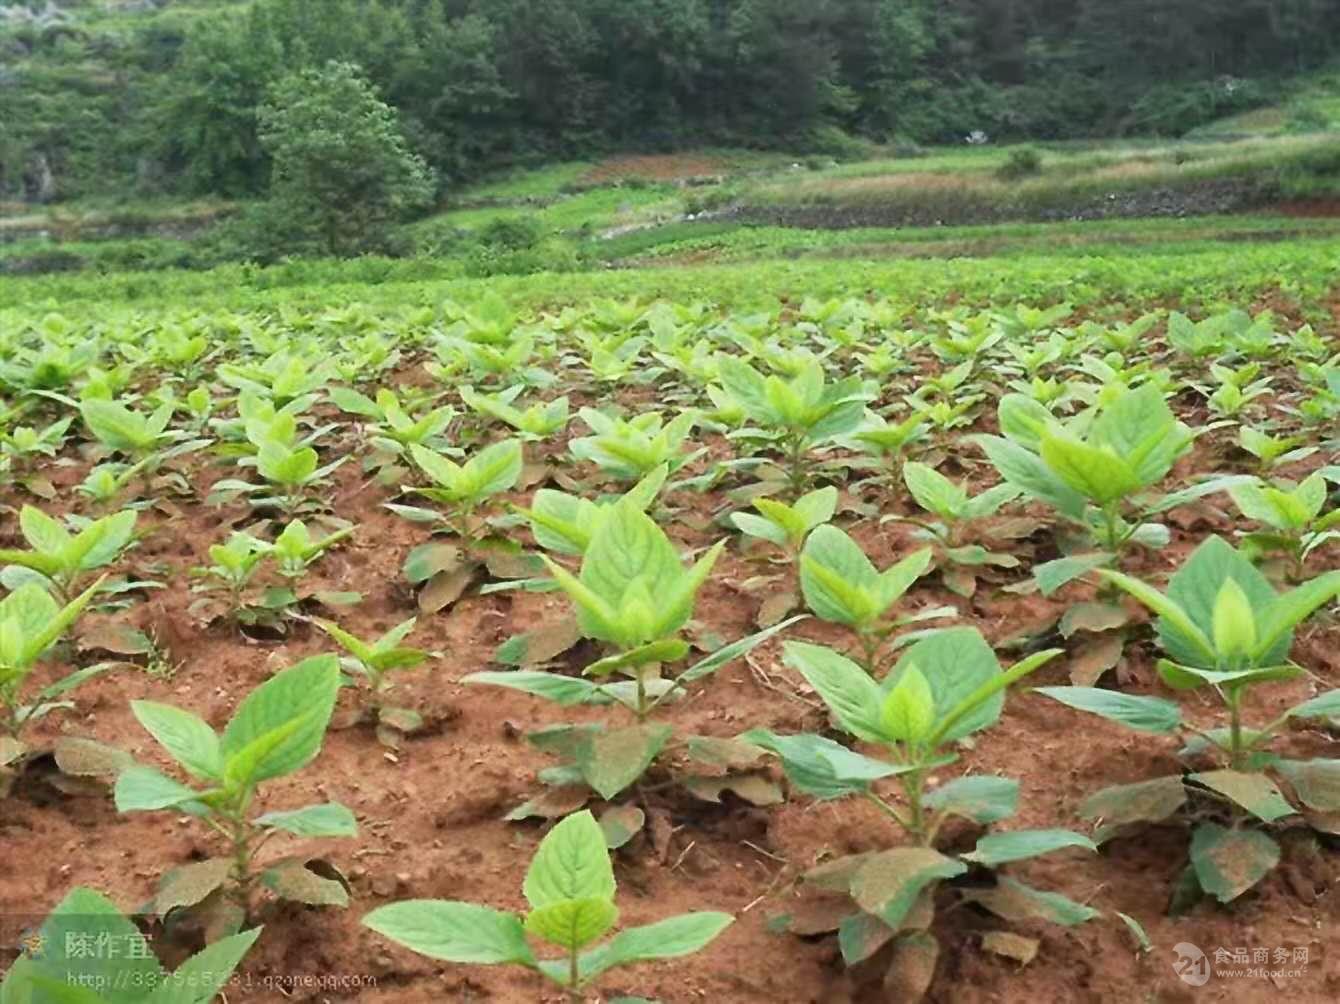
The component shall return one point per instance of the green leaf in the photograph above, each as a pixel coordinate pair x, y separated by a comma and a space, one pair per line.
838, 580
1028, 472
1229, 862
996, 849
1316, 782
327, 820
887, 884
191, 741
453, 932
986, 695
908, 711
566, 691
200, 978
1277, 620
1052, 575
1143, 802
1325, 705
572, 923
1194, 589
143, 789
85, 917
1178, 631
729, 653
820, 767
961, 668
572, 862
1144, 714
297, 701
1014, 901
666, 939
852, 696
981, 798
1254, 792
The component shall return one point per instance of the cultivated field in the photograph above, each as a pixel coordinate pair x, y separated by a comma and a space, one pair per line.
928, 629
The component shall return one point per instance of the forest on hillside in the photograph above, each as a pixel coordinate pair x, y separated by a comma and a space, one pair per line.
154, 96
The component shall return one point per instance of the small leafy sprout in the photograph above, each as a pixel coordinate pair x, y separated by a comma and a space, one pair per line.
25, 443
1095, 470
65, 970
375, 661
635, 595
1293, 515
787, 526
632, 449
841, 586
1273, 451
392, 429
60, 561
276, 731
295, 549
234, 565
106, 483
570, 888
463, 488
945, 688
888, 442
565, 523
1225, 631
800, 413
539, 421
31, 622
145, 439
282, 378
958, 515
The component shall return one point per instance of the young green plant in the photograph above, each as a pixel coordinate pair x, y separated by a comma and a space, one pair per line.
570, 889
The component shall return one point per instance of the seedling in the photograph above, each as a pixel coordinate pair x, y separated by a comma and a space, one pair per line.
1273, 451
463, 487
1225, 631
802, 413
539, 421
945, 688
295, 549
375, 662
842, 586
787, 526
60, 561
392, 429
31, 622
570, 888
1293, 514
634, 595
234, 565
565, 523
958, 515
145, 440
1095, 469
75, 962
282, 378
24, 443
889, 442
275, 732
632, 449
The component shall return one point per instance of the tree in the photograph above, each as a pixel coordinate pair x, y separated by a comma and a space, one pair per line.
341, 171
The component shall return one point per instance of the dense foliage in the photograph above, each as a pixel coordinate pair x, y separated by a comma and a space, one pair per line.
96, 98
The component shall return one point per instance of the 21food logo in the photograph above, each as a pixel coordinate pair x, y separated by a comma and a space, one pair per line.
1191, 965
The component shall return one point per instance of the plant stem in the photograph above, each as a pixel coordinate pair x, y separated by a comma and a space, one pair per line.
1236, 752
574, 977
